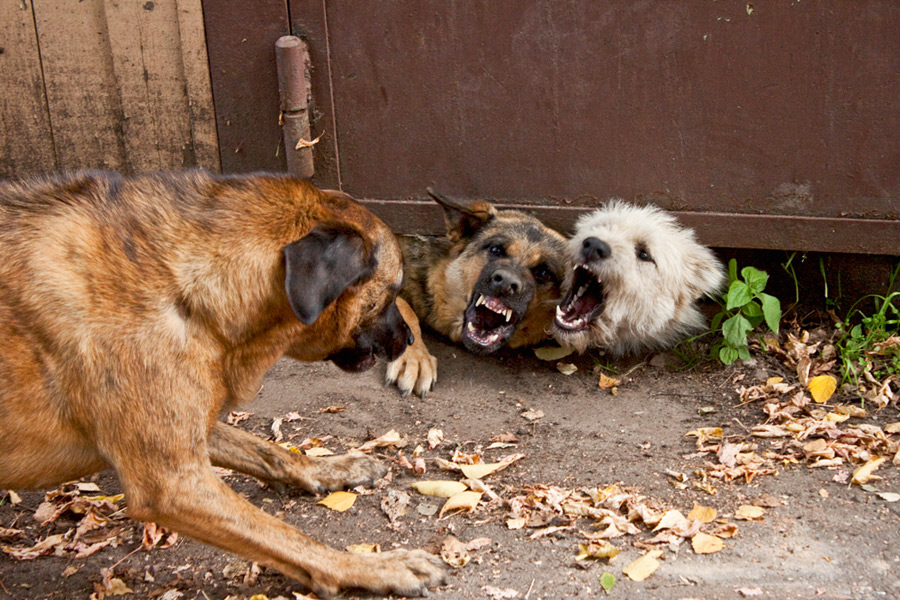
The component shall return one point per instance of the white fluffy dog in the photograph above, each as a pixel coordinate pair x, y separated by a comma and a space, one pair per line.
637, 277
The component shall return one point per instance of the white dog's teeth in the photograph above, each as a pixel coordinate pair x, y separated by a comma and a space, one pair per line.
471, 327
559, 312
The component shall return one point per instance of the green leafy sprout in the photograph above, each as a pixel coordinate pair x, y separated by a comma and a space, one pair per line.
746, 307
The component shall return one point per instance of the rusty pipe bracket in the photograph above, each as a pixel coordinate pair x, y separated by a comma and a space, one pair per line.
292, 62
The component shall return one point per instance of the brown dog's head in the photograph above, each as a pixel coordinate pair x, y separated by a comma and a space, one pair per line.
505, 275
342, 279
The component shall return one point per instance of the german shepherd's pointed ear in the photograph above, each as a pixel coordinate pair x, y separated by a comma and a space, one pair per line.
320, 266
463, 220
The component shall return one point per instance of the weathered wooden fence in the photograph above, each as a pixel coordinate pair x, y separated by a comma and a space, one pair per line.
113, 84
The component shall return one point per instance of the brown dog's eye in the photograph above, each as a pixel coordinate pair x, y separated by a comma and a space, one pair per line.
543, 274
496, 250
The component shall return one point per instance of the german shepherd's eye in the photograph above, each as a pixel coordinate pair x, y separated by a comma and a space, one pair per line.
495, 249
543, 274
643, 255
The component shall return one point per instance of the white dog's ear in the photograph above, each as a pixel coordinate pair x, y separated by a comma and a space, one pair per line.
464, 219
707, 275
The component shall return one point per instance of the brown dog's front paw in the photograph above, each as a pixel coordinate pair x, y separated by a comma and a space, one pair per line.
415, 370
347, 471
399, 572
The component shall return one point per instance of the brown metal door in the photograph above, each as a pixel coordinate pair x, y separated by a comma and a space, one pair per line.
766, 125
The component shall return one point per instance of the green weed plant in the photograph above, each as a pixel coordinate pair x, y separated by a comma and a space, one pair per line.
746, 307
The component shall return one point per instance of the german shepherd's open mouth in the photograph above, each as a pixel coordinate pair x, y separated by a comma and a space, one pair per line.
488, 323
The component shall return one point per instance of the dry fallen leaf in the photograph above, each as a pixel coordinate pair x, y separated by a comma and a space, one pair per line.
318, 452
441, 489
747, 512
395, 505
864, 474
333, 409
498, 593
435, 437
704, 514
463, 501
517, 523
643, 567
608, 383
748, 592
672, 519
552, 353
566, 368
597, 549
454, 552
391, 438
339, 501
480, 470
363, 548
703, 543
533, 415
892, 428
822, 387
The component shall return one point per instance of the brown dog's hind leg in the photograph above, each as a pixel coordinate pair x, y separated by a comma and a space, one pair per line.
415, 369
196, 503
242, 451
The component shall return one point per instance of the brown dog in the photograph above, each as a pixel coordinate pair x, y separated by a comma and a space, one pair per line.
137, 310
493, 281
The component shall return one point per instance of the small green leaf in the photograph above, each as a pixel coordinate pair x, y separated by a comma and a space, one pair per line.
739, 294
744, 353
732, 271
717, 321
752, 310
771, 308
755, 278
735, 330
727, 355
607, 581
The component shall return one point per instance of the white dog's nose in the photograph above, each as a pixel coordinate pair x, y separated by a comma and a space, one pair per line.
593, 249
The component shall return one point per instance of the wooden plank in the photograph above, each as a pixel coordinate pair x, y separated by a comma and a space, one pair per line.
81, 88
149, 67
195, 62
26, 143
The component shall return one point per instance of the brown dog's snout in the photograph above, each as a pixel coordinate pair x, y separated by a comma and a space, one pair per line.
594, 249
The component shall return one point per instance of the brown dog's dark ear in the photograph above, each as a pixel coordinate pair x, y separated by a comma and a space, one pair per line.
463, 220
320, 266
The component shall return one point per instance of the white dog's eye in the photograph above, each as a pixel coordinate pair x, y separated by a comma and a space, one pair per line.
642, 254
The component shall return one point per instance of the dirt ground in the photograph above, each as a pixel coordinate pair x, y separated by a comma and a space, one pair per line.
817, 539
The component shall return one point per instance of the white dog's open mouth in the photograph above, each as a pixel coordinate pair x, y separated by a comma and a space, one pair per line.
582, 304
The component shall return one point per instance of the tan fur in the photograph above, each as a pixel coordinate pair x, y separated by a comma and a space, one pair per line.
441, 274
136, 310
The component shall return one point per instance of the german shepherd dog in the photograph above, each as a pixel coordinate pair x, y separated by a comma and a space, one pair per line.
136, 310
494, 280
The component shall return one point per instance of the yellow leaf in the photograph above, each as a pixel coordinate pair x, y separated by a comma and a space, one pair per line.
892, 428
643, 567
607, 383
747, 512
864, 473
339, 501
703, 543
319, 452
773, 380
480, 470
834, 417
597, 549
518, 523
822, 387
463, 501
441, 489
552, 352
14, 498
704, 514
363, 548
566, 368
672, 519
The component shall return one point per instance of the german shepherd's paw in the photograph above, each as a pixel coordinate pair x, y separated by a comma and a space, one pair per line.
415, 370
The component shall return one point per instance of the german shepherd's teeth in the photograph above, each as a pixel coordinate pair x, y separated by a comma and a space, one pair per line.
480, 300
508, 315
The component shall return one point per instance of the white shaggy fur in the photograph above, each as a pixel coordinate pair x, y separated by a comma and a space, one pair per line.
652, 273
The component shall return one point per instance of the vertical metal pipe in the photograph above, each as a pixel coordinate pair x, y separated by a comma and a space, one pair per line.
292, 60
